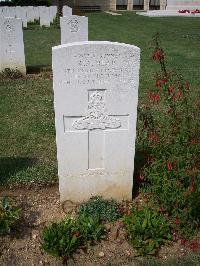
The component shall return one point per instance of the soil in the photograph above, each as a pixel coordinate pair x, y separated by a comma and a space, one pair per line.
40, 206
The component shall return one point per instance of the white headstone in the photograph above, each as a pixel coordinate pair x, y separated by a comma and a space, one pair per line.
12, 45
44, 16
67, 11
11, 12
30, 13
21, 13
183, 4
74, 29
95, 101
36, 12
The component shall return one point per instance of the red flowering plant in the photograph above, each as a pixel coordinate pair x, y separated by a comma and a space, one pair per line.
169, 134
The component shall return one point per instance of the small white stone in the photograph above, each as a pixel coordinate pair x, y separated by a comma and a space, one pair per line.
101, 254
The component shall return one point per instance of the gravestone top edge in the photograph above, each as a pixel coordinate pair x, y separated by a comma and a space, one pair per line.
69, 16
85, 43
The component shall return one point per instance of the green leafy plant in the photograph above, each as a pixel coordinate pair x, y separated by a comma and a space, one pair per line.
9, 215
64, 238
90, 228
61, 239
97, 207
147, 229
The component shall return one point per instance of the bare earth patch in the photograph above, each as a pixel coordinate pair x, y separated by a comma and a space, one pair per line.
40, 206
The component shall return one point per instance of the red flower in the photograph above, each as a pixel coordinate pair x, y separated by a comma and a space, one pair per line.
169, 166
160, 82
194, 140
171, 89
192, 187
187, 85
179, 94
154, 138
183, 241
175, 163
178, 221
158, 54
194, 245
174, 97
155, 98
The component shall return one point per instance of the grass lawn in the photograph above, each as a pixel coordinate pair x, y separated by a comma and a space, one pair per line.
27, 135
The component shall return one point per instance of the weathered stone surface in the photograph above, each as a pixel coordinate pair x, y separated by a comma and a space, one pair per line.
95, 98
74, 29
12, 45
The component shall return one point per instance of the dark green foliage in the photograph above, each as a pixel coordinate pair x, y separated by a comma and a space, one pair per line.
9, 215
147, 230
64, 238
97, 207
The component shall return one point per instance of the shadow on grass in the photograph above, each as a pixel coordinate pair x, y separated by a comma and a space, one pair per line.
139, 163
11, 165
37, 69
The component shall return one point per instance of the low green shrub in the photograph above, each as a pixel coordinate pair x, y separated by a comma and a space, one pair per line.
97, 207
62, 239
90, 228
9, 215
147, 229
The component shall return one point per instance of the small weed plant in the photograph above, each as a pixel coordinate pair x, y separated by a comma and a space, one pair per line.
9, 215
64, 238
168, 136
147, 229
97, 207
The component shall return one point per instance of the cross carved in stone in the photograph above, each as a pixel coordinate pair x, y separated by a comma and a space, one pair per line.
96, 122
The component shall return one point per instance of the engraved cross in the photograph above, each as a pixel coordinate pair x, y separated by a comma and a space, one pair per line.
96, 122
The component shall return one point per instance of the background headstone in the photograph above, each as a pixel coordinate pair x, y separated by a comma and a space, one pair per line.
12, 45
183, 4
67, 11
74, 29
95, 101
44, 16
30, 13
21, 13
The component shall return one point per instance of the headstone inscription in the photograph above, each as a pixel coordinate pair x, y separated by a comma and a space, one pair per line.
12, 45
95, 101
74, 29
